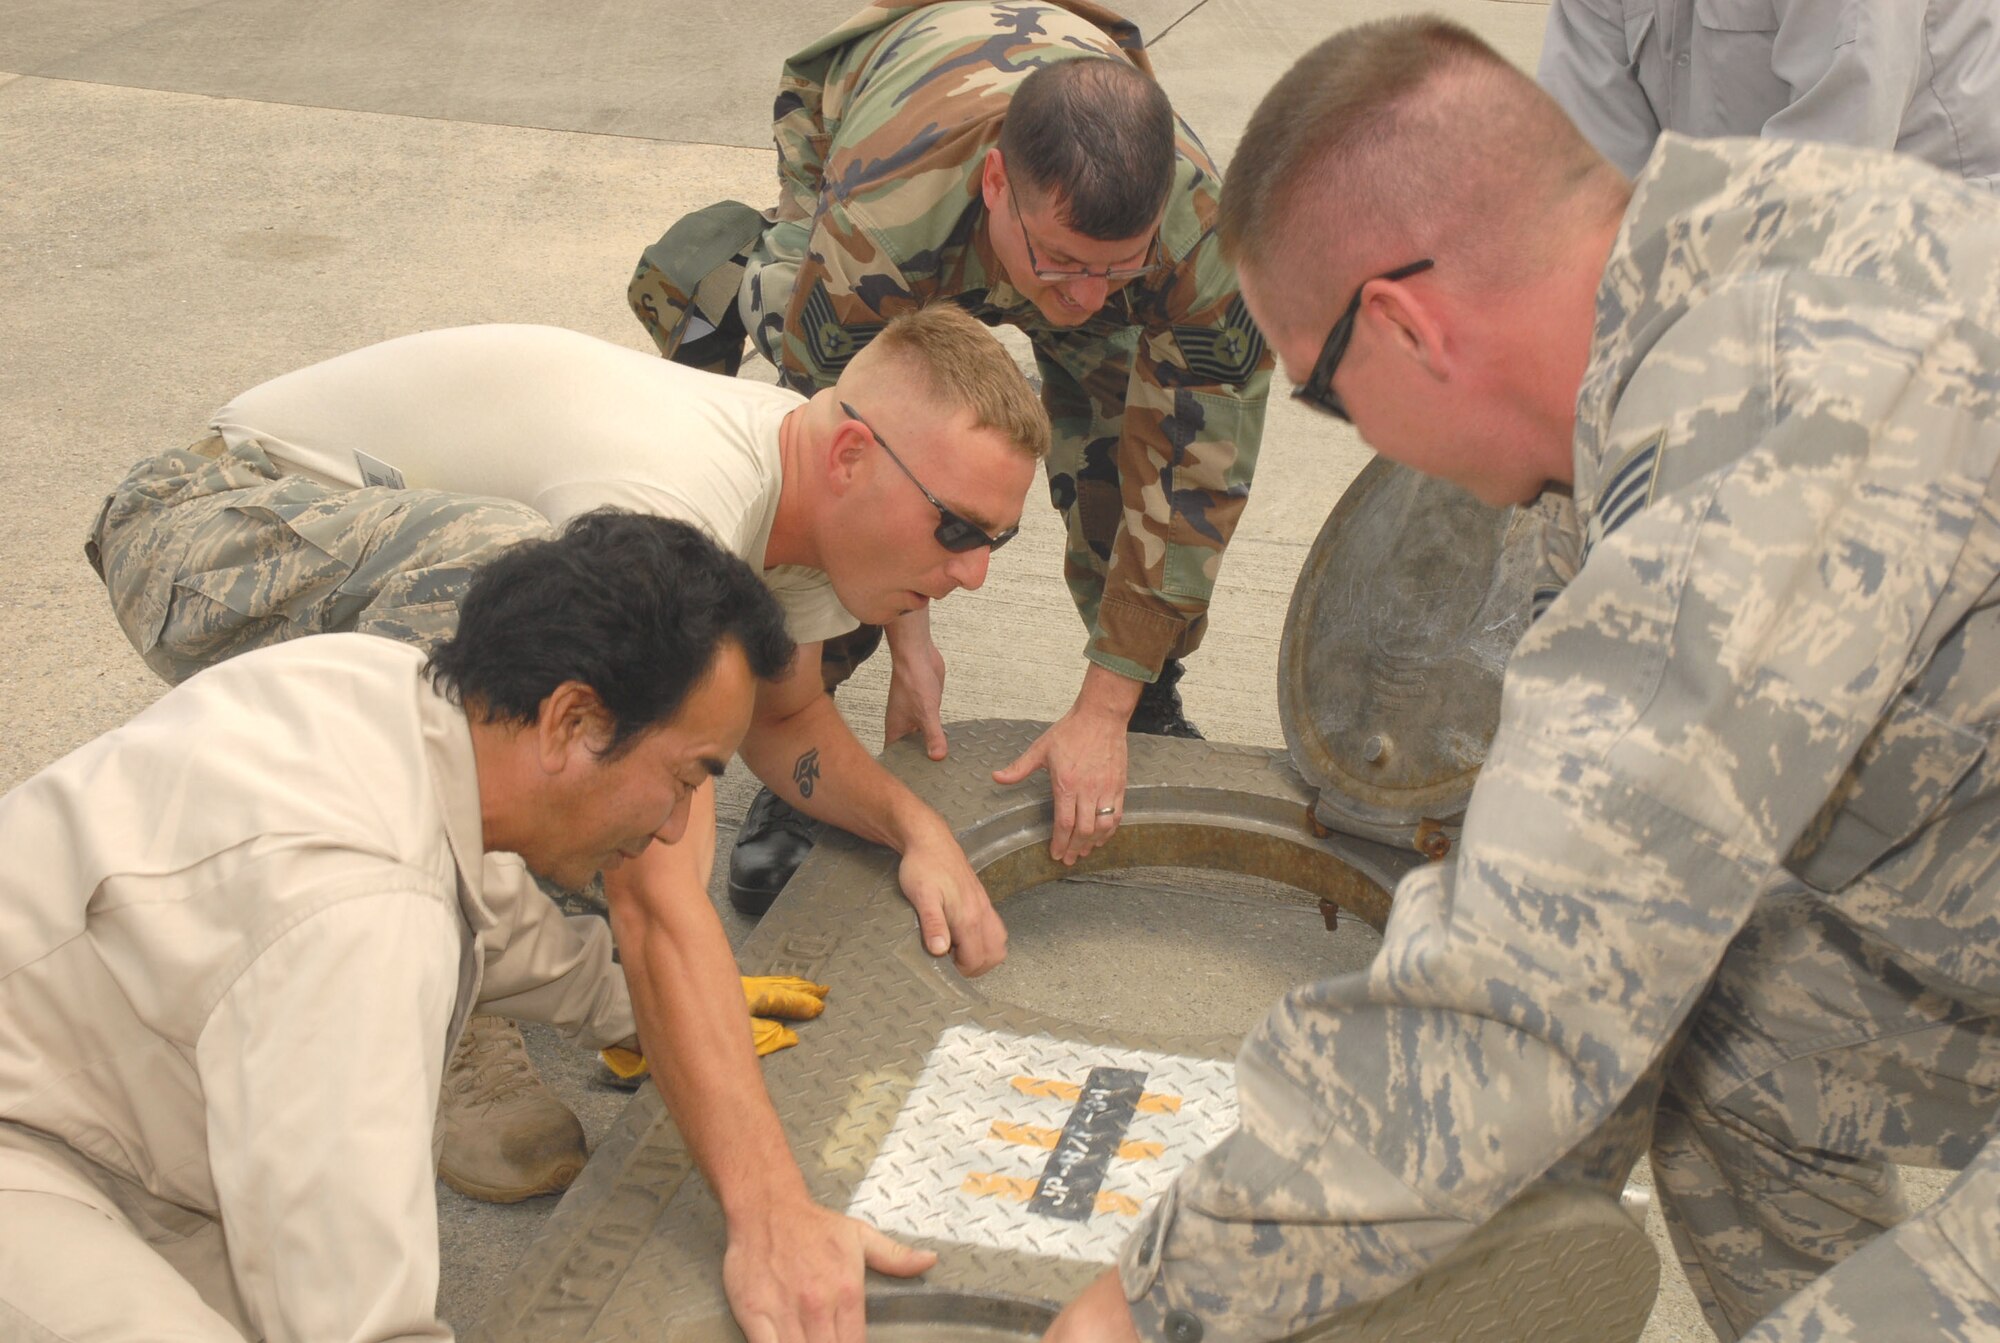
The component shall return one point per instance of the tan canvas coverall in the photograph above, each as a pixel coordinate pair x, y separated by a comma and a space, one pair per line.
238, 937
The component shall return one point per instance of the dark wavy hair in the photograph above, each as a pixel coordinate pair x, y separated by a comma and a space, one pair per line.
634, 606
1099, 136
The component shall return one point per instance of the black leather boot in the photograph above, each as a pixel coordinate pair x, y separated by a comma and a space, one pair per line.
720, 351
1158, 712
774, 840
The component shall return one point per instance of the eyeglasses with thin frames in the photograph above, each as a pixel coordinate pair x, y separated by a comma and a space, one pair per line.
1051, 275
954, 532
1317, 389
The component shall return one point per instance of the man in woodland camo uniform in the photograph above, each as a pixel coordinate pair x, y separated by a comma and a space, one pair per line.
1017, 160
1731, 874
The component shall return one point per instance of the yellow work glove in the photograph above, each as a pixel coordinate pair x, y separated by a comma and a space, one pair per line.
771, 1036
786, 996
628, 1065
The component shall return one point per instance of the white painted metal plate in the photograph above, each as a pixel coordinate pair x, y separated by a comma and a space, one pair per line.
1039, 1145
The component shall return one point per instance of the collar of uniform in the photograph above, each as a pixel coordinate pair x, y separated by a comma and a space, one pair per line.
1647, 283
455, 777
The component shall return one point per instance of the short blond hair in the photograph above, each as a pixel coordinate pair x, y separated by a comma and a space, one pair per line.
960, 364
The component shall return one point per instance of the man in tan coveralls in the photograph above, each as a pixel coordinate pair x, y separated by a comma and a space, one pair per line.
1730, 879
239, 934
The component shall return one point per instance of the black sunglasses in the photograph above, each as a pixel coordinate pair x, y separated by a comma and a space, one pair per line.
1317, 390
953, 532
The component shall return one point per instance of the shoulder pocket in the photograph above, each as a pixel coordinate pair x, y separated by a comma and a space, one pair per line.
1227, 352
1638, 23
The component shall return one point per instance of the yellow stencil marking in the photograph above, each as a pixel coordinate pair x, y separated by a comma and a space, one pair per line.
1027, 1135
985, 1184
1032, 1135
1048, 1088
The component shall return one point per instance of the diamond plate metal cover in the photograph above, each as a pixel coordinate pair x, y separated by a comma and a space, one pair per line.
634, 1251
995, 1119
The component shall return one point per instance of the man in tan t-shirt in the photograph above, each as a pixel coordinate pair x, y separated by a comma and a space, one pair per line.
357, 494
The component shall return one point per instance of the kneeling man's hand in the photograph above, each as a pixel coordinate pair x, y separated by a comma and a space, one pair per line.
916, 692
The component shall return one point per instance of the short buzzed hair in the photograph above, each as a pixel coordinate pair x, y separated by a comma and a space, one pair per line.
961, 365
1403, 139
1098, 134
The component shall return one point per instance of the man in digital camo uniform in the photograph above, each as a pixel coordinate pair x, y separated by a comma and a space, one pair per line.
1020, 161
1731, 873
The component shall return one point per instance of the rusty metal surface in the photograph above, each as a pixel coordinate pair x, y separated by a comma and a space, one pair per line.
634, 1250
1433, 839
1400, 625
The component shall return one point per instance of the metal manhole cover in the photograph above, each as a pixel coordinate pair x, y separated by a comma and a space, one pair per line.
1404, 614
1019, 1145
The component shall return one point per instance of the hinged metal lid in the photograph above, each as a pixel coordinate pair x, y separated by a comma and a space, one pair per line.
1401, 623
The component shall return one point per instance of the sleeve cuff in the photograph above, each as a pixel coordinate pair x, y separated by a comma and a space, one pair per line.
1134, 640
1139, 1276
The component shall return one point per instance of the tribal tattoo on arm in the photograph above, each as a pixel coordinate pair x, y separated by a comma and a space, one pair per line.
805, 772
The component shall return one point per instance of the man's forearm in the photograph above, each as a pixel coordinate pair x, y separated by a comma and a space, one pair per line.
1108, 693
694, 1025
909, 633
814, 761
810, 758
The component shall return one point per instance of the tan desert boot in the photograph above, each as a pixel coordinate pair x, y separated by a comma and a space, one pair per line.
506, 1136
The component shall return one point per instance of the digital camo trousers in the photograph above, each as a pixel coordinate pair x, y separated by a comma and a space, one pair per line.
211, 551
1819, 1061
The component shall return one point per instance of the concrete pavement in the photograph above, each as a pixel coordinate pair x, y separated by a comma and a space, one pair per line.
203, 195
